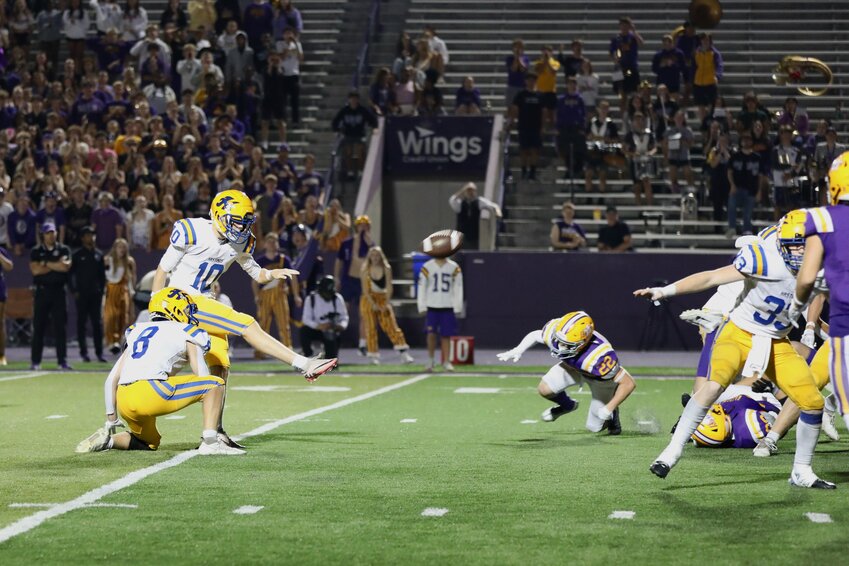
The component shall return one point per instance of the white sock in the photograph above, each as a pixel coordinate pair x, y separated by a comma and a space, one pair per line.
362, 343
300, 362
210, 436
691, 418
772, 435
830, 403
807, 433
846, 419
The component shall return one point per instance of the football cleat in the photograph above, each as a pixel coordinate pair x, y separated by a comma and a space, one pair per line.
828, 426
703, 318
660, 469
218, 449
614, 427
809, 479
765, 448
224, 438
97, 442
554, 412
316, 367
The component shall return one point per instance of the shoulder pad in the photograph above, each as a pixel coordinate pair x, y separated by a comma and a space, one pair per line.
752, 261
819, 221
184, 233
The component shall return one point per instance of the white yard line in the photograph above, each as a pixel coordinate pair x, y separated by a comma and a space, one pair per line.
28, 523
622, 515
50, 505
27, 375
434, 512
819, 517
248, 509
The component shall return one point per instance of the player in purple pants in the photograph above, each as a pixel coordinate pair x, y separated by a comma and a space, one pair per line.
827, 245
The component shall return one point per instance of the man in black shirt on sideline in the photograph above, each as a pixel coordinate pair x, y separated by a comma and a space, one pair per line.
50, 263
87, 281
616, 236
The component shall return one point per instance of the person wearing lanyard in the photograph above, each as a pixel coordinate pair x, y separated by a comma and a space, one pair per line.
49, 262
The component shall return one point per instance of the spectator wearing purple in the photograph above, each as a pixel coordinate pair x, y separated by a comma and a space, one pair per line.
267, 203
21, 226
257, 21
110, 51
669, 65
624, 51
87, 108
566, 234
310, 182
571, 123
284, 169
795, 117
155, 63
214, 154
51, 213
468, 99
107, 221
517, 68
687, 43
286, 16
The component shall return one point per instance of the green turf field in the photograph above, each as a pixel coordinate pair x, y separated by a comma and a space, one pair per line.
345, 481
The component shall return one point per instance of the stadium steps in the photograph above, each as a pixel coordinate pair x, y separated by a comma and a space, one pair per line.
753, 36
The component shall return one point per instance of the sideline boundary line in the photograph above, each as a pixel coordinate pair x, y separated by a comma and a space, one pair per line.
26, 375
30, 522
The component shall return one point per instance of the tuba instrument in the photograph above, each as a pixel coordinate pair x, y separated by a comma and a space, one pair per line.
704, 14
810, 76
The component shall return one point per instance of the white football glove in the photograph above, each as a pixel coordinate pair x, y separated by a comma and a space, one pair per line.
795, 311
709, 320
513, 355
113, 426
809, 338
603, 413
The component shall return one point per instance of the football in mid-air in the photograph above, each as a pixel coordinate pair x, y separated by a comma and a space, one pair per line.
443, 243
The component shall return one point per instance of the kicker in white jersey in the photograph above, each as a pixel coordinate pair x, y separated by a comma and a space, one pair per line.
197, 257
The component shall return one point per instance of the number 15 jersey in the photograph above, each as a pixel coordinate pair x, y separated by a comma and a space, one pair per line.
196, 257
157, 350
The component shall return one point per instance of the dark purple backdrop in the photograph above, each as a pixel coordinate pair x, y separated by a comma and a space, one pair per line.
509, 294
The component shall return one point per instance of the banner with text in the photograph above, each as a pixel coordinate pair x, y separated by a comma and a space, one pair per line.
416, 145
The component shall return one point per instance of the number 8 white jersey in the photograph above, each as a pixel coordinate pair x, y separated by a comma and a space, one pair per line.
762, 306
196, 257
157, 350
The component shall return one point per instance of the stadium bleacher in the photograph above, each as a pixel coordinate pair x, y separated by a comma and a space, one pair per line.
752, 36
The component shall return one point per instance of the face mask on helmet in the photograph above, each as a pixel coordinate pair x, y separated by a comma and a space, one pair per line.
237, 229
576, 334
791, 239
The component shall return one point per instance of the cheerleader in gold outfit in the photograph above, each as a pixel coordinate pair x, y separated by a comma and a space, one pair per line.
120, 279
375, 308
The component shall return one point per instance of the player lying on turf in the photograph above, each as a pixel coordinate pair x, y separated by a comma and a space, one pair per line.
147, 383
585, 355
789, 415
754, 340
201, 250
739, 419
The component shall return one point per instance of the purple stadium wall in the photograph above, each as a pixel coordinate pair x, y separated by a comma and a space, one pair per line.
509, 294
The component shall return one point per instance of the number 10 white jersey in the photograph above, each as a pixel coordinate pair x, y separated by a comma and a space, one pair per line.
157, 350
196, 257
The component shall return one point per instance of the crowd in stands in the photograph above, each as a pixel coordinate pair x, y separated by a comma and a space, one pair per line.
114, 126
751, 155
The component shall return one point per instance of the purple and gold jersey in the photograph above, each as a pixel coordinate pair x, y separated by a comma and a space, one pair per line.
831, 224
751, 420
596, 361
